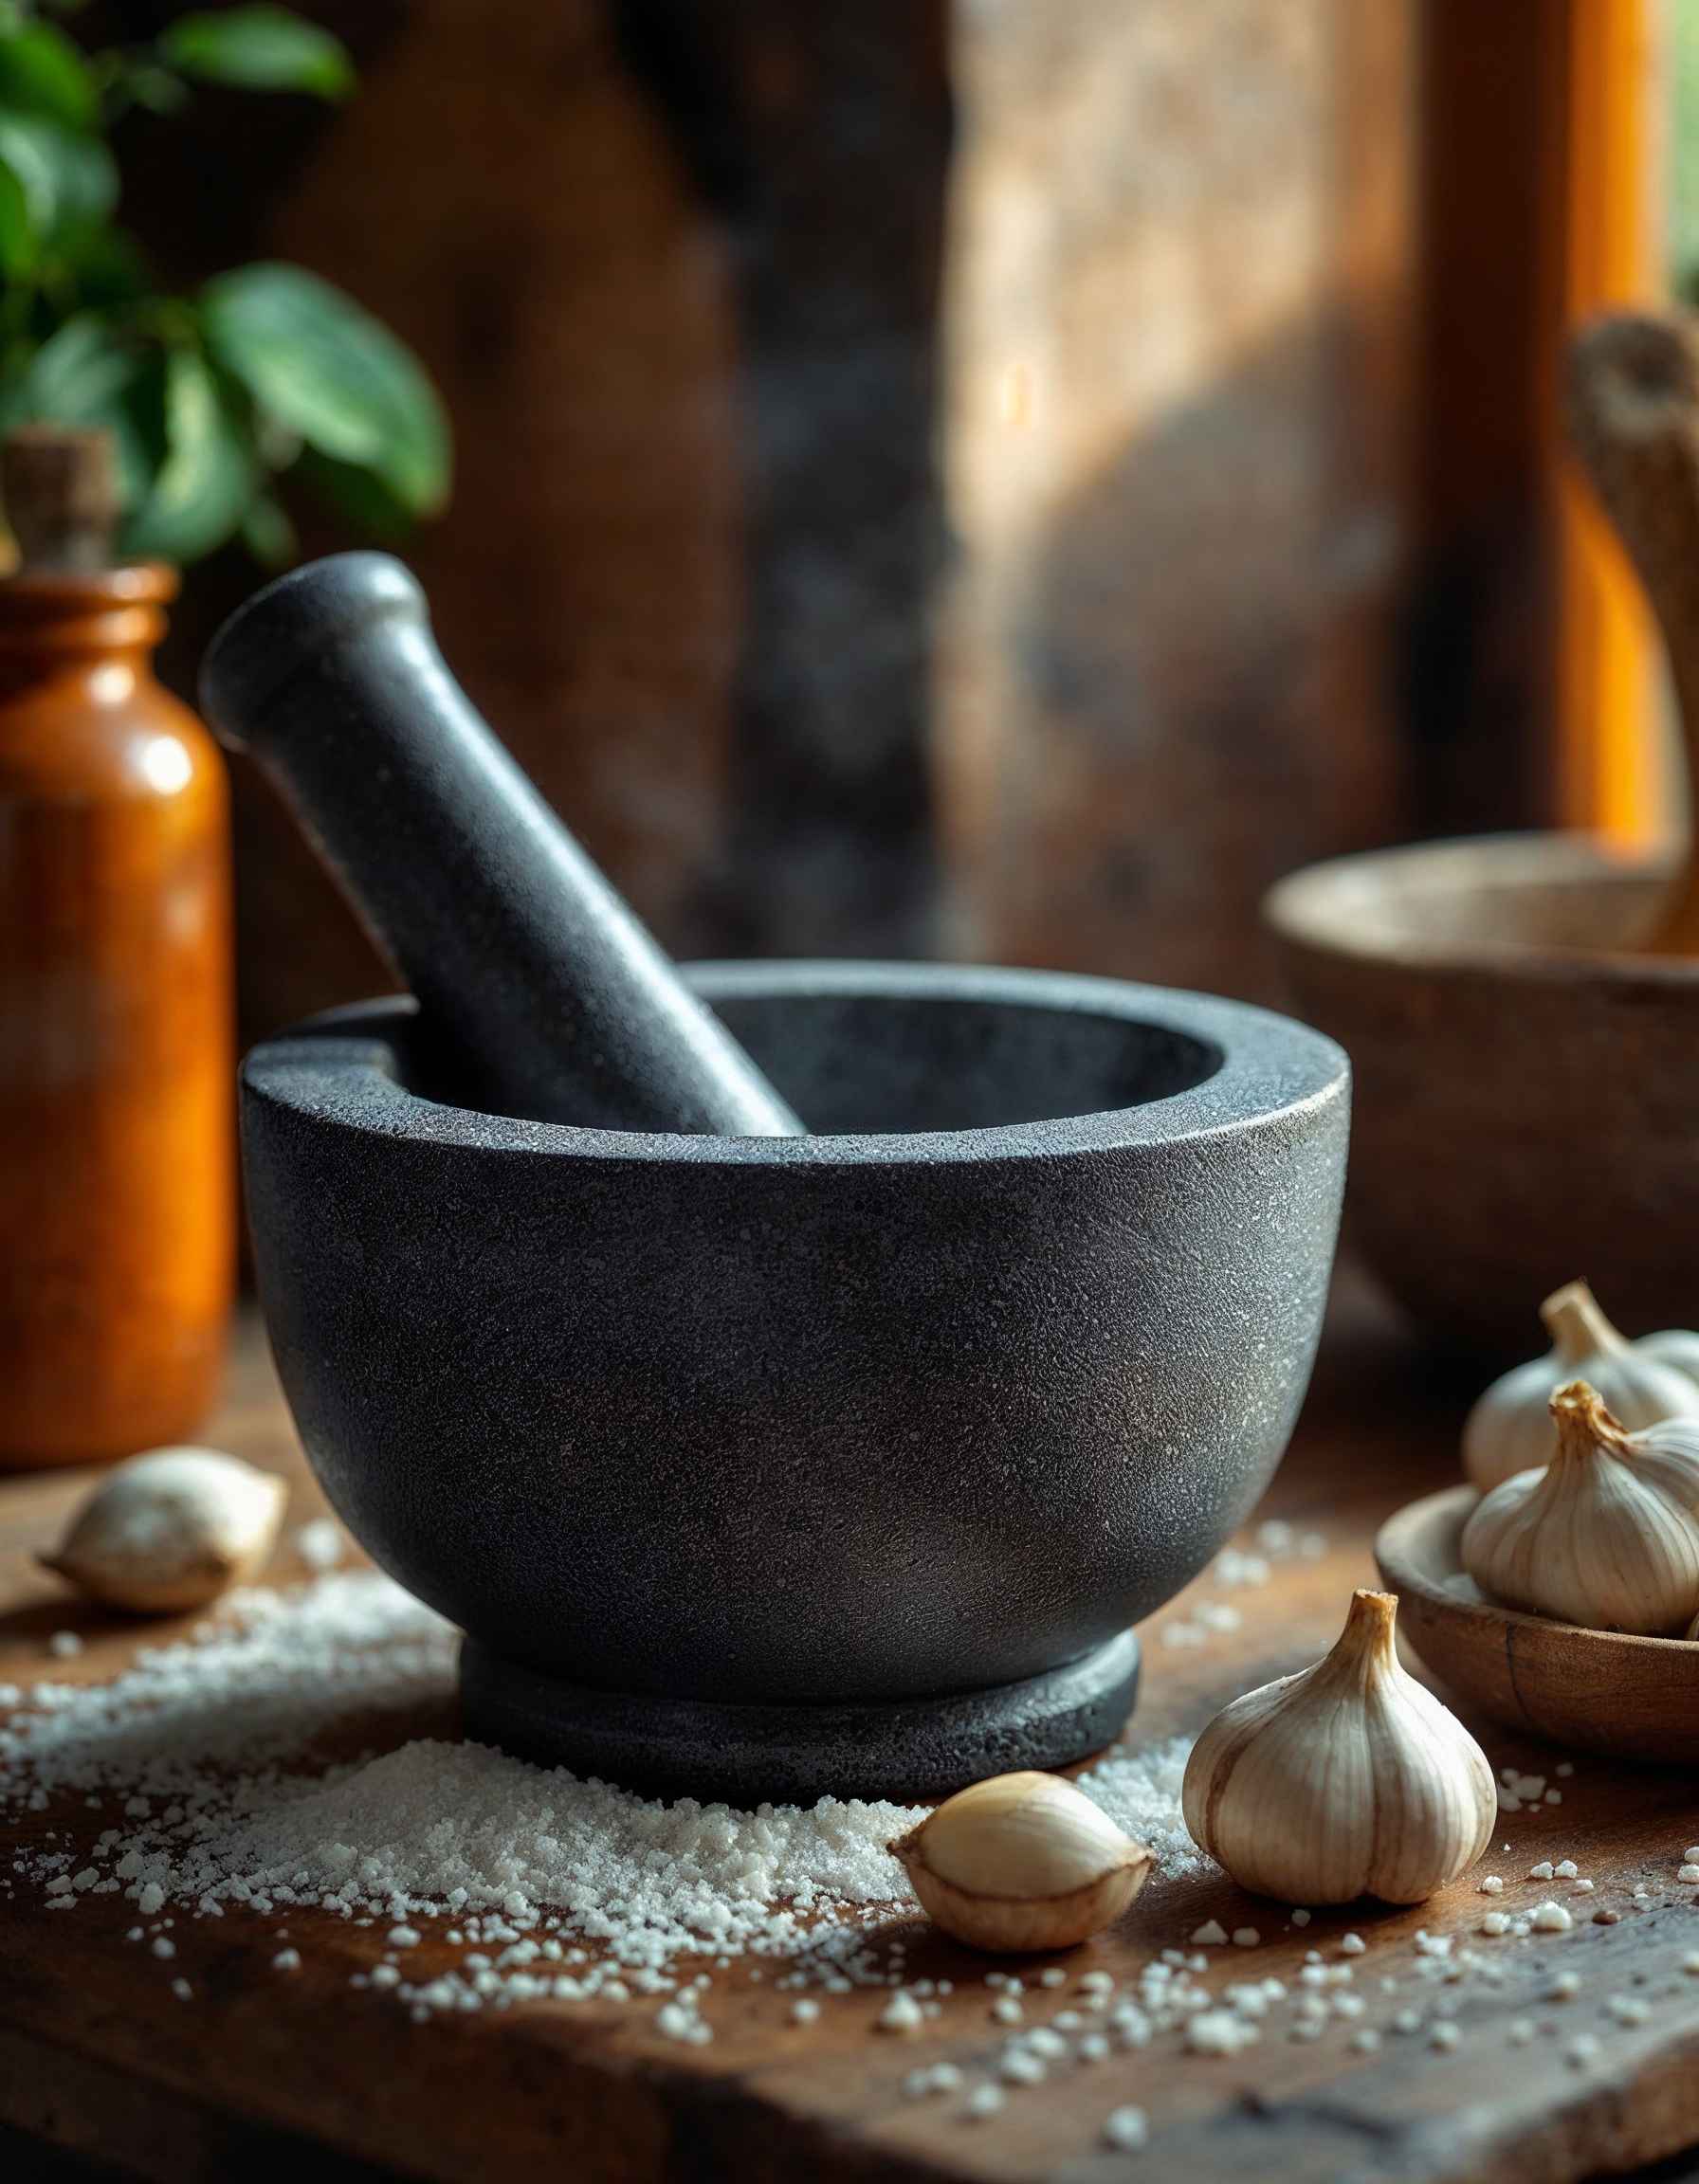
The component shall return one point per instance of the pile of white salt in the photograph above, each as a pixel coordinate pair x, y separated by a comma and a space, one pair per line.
200, 1762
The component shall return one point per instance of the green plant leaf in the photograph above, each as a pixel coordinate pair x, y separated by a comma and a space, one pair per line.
202, 489
145, 85
17, 230
73, 378
260, 48
358, 496
268, 533
107, 266
70, 181
84, 375
320, 365
43, 72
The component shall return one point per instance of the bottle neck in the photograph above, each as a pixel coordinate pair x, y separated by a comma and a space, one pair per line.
98, 626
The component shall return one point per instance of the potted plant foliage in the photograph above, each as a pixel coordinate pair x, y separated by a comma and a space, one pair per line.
211, 397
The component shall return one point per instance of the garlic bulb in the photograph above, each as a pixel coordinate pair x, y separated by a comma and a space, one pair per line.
1606, 1535
171, 1529
1022, 1862
1348, 1780
1678, 1347
1510, 1429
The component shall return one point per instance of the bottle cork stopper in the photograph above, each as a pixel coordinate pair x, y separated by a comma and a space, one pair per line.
59, 489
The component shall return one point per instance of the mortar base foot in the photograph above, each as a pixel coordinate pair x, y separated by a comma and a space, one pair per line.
905, 1750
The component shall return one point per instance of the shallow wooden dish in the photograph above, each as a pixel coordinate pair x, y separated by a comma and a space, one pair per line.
1592, 1690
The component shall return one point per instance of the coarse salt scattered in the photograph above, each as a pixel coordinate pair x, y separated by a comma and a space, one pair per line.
903, 2013
1689, 1873
1211, 1935
211, 1747
805, 2012
1444, 2036
1219, 2032
286, 1960
1300, 1918
1495, 1922
1582, 2051
984, 2101
1543, 1871
1492, 1885
320, 1543
1552, 1919
1126, 2129
65, 1644
1246, 1937
1565, 1988
1352, 1946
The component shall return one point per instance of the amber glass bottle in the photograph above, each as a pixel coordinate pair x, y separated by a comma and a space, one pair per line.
117, 1153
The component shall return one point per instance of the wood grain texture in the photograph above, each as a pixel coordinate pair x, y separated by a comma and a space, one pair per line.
1589, 1690
95, 2054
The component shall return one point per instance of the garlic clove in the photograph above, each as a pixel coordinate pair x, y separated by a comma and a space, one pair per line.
170, 1529
1509, 1429
1022, 1862
1348, 1779
1607, 1535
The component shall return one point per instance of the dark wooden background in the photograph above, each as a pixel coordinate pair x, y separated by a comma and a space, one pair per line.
932, 479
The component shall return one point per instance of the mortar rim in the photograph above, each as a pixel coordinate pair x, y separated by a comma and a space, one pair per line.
1272, 1068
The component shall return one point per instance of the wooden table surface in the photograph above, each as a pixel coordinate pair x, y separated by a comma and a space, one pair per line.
94, 2059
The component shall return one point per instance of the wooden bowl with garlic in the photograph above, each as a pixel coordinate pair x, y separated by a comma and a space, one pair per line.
1521, 1012
1559, 1589
1608, 1691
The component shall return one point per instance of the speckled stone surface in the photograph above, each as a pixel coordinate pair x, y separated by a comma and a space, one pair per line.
904, 1749
938, 1400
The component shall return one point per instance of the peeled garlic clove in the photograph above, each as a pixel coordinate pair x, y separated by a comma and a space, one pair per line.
1023, 1862
1510, 1430
1606, 1535
171, 1529
1348, 1780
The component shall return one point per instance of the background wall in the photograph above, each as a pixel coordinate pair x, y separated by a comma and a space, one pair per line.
931, 479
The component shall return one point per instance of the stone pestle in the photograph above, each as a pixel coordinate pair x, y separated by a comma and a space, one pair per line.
543, 991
